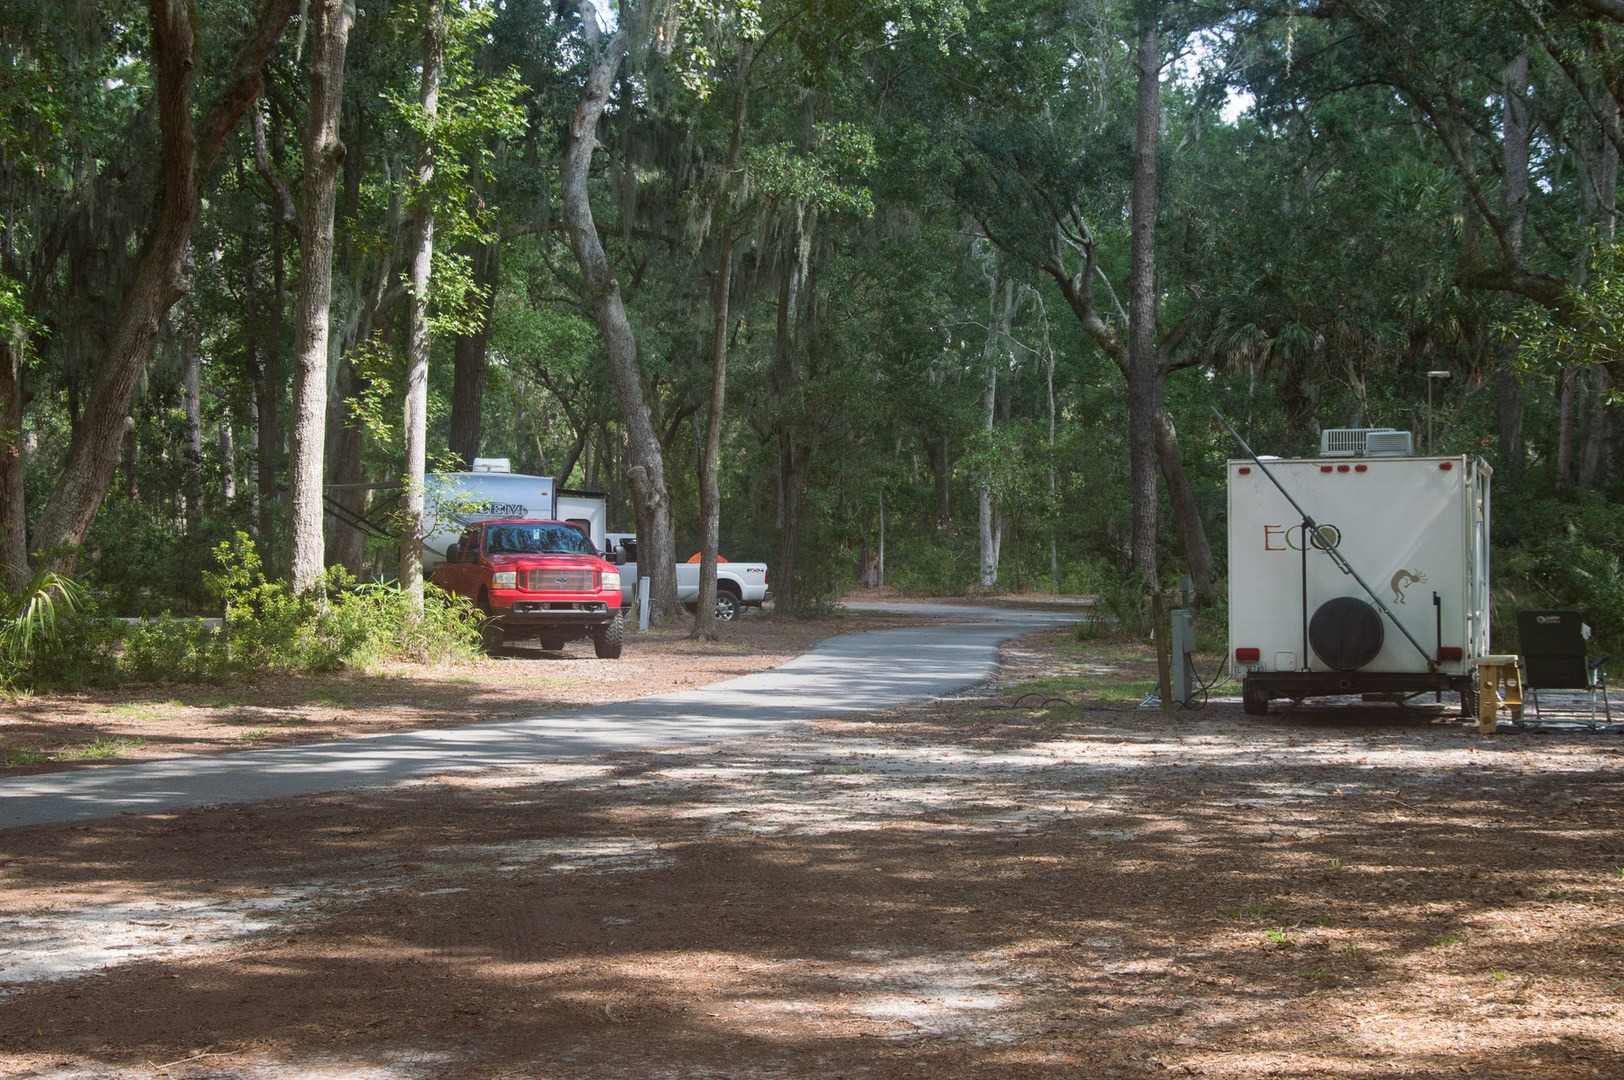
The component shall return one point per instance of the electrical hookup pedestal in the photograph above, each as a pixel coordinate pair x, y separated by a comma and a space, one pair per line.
1175, 649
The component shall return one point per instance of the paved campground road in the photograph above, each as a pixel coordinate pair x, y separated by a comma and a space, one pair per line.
861, 672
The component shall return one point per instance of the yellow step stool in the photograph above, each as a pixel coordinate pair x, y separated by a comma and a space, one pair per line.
1499, 682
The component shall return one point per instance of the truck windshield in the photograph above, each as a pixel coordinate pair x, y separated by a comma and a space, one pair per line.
537, 539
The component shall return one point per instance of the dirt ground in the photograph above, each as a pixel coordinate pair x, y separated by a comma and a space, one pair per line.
971, 888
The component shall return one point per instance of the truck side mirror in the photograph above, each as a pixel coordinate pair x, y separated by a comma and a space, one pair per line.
452, 554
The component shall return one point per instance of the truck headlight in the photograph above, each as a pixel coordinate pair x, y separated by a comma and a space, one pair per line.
505, 579
611, 581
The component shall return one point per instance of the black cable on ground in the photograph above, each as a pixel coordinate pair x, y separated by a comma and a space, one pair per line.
1024, 702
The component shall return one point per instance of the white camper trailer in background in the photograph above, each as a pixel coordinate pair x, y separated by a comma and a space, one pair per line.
1387, 591
489, 491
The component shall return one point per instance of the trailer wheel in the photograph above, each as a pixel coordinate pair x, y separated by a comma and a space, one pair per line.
1254, 702
607, 639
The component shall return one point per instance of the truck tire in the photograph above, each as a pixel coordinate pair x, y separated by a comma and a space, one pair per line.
490, 629
729, 605
606, 640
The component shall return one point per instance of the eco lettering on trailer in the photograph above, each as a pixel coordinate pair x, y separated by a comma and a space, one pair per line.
1289, 537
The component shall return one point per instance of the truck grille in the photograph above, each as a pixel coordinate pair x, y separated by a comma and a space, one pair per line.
561, 580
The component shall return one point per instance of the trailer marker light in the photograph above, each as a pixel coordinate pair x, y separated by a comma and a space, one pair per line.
1248, 656
1341, 468
1245, 470
1450, 652
1446, 465
1361, 468
1325, 468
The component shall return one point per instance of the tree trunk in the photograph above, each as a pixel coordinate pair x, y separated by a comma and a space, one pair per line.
710, 488
228, 457
1593, 459
269, 386
573, 455
344, 470
645, 471
468, 362
417, 348
1564, 428
129, 449
1000, 325
1144, 396
192, 474
13, 509
1508, 394
785, 380
879, 564
158, 281
93, 453
324, 157
1186, 510
1054, 480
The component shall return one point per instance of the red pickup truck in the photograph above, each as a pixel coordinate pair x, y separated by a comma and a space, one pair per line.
535, 579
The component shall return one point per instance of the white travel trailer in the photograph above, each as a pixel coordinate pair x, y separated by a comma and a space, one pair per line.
1364, 570
491, 490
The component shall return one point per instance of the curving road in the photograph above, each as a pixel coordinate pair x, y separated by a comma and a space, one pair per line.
861, 672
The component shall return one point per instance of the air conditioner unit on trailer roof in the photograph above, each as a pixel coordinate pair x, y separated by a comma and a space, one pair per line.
1389, 444
1360, 442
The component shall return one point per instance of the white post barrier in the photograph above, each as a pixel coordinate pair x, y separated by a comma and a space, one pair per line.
642, 603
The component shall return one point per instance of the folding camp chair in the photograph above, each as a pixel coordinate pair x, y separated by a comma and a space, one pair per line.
1555, 657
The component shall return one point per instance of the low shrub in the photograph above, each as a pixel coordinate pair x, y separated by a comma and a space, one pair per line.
167, 649
343, 624
52, 634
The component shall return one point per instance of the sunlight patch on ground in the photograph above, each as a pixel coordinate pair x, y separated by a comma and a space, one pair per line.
91, 939
94, 938
912, 996
397, 1065
564, 856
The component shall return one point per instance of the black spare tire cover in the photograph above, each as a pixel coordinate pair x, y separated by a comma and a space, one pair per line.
1346, 633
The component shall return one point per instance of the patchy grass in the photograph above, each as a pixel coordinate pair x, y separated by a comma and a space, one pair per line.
147, 712
100, 748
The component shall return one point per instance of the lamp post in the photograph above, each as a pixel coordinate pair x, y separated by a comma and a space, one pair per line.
1431, 377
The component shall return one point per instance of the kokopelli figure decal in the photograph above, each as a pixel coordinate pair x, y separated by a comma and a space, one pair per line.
1403, 580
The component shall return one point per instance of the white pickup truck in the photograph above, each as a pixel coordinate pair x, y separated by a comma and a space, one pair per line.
738, 584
